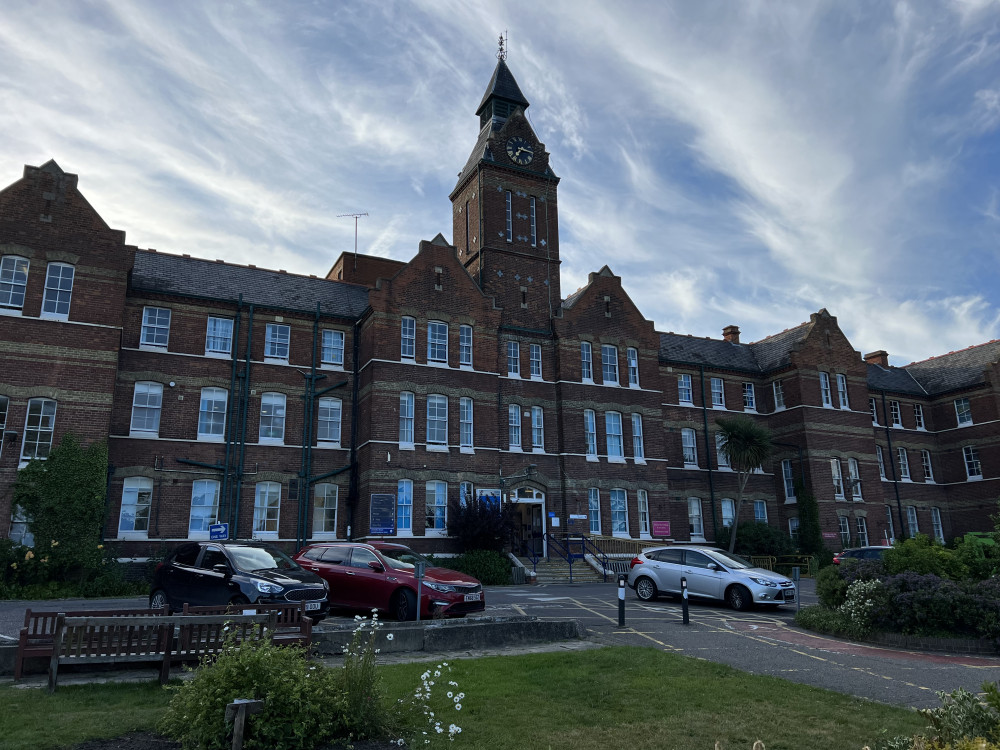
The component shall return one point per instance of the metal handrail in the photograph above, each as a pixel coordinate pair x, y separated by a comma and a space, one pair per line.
562, 550
597, 552
616, 545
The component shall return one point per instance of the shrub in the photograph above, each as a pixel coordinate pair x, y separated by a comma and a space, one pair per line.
923, 556
921, 605
481, 524
852, 569
491, 568
822, 620
864, 599
981, 556
757, 539
304, 704
831, 588
962, 722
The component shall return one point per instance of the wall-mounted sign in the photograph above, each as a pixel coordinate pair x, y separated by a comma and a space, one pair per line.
382, 515
218, 531
577, 517
661, 528
488, 496
829, 534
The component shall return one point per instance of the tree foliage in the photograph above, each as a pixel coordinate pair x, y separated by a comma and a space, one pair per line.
810, 536
747, 446
64, 500
481, 524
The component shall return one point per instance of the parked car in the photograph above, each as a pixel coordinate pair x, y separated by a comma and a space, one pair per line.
381, 575
213, 573
710, 573
876, 552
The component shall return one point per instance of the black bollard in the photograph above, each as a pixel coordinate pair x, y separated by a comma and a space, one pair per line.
621, 600
684, 599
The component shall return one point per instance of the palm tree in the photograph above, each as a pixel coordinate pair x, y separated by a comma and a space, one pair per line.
747, 445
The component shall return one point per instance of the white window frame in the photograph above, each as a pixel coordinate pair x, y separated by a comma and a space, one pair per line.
535, 361
509, 217
147, 407
854, 476
749, 398
918, 417
904, 464
13, 283
793, 528
824, 390
642, 505
614, 438
436, 508
925, 460
218, 333
936, 524
963, 412
718, 388
155, 331
788, 479
838, 478
973, 468
437, 342
19, 530
537, 430
594, 510
721, 459
466, 493
57, 298
465, 347
760, 511
881, 462
873, 406
513, 359
696, 525
329, 419
404, 507
779, 395
638, 445
862, 528
266, 510
208, 412
437, 422
137, 495
590, 433
406, 420
466, 439
685, 393
895, 414
586, 362
204, 508
728, 508
332, 348
912, 521
609, 364
842, 391
534, 225
844, 524
618, 504
514, 427
4, 410
689, 447
632, 363
277, 342
407, 338
275, 415
39, 429
890, 523
326, 502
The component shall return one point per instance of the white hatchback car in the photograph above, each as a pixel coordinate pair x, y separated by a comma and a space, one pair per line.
710, 573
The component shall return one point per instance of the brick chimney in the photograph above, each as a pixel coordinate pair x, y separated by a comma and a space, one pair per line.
881, 357
731, 334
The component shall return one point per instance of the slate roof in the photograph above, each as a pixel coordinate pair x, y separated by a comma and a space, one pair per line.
893, 379
775, 351
502, 86
758, 357
480, 152
955, 370
174, 274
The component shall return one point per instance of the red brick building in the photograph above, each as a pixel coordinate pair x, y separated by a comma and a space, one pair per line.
298, 408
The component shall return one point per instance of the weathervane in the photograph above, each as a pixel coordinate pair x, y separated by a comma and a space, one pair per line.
502, 53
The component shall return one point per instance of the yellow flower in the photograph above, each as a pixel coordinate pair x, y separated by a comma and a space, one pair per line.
28, 555
45, 559
55, 543
100, 546
14, 565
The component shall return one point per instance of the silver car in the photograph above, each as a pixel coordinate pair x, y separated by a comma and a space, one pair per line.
710, 573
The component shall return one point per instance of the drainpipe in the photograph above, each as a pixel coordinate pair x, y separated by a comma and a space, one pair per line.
309, 399
243, 407
708, 451
892, 465
352, 490
231, 408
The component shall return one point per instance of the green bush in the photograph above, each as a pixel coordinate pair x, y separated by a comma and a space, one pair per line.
923, 556
491, 568
304, 704
822, 620
481, 524
757, 539
980, 555
962, 722
831, 588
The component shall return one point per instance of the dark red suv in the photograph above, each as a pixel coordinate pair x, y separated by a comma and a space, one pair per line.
380, 575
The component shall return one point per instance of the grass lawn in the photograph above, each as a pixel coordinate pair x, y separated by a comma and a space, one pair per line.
590, 700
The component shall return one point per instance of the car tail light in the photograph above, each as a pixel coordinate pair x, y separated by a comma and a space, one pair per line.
635, 561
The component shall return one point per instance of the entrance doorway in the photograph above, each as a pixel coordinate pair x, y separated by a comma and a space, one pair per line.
529, 521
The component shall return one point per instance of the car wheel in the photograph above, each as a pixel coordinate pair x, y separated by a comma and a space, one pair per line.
404, 605
738, 597
645, 589
158, 600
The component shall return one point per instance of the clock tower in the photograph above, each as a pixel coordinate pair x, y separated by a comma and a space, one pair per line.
505, 210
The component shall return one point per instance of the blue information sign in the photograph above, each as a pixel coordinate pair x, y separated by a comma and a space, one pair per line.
383, 515
218, 531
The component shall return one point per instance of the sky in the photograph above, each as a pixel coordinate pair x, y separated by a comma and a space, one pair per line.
740, 163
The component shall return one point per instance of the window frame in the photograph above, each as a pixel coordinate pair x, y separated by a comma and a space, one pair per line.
760, 511
509, 217
594, 510
146, 409
514, 428
880, 458
778, 391
274, 419
407, 422
322, 492
749, 398
537, 430
211, 336
963, 412
842, 395
139, 486
632, 365
904, 464
210, 419
925, 462
788, 480
642, 506
586, 362
861, 526
618, 505
730, 504
638, 442
825, 392
534, 225
912, 521
436, 522
275, 342
334, 436
717, 387
436, 432
609, 364
838, 479
895, 414
696, 523
212, 516
14, 278
684, 386
614, 436
465, 347
689, 448
721, 460
332, 352
854, 476
936, 525
873, 407
466, 425
844, 527
590, 434
918, 417
513, 359
407, 339
535, 361
973, 466
266, 514
793, 528
155, 328
4, 412
58, 291
45, 425
404, 507
437, 342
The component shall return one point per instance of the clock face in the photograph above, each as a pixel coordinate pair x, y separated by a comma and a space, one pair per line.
519, 150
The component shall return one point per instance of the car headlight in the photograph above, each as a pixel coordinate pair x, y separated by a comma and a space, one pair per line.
764, 582
268, 588
442, 587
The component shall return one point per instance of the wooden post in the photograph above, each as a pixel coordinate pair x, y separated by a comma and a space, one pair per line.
237, 712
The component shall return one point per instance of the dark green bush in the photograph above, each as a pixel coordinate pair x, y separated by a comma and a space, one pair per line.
923, 556
481, 524
831, 588
822, 620
491, 568
757, 539
922, 605
980, 555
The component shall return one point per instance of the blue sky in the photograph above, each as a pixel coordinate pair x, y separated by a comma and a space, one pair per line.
734, 162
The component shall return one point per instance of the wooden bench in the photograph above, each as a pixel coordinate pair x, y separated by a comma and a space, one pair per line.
38, 633
158, 639
293, 624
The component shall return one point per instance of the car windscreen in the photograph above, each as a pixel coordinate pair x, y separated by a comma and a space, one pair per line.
260, 558
403, 558
730, 561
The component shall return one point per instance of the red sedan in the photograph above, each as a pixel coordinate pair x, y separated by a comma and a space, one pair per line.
381, 575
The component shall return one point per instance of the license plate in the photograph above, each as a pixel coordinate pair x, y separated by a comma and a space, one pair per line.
789, 596
473, 597
310, 606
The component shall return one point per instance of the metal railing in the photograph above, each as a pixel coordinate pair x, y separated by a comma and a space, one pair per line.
808, 565
763, 561
614, 545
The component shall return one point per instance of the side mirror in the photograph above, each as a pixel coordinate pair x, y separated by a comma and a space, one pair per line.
221, 568
376, 566
713, 566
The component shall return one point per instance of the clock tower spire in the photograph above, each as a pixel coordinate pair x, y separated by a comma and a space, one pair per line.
505, 209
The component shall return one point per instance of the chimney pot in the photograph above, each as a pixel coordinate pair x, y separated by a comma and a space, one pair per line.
881, 357
731, 334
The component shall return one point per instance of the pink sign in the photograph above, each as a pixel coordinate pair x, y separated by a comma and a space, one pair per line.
829, 534
661, 528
